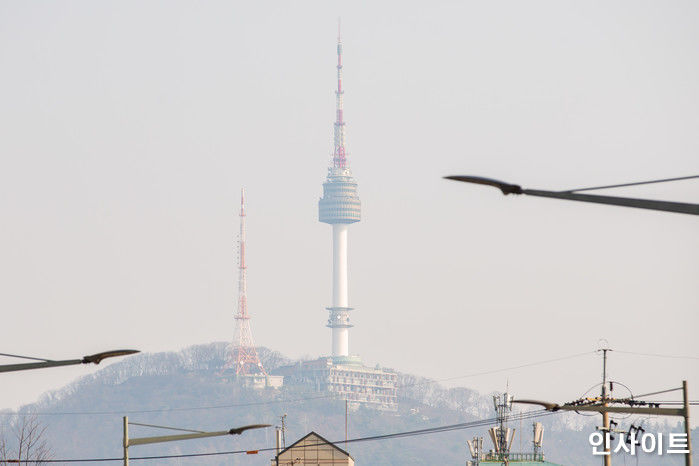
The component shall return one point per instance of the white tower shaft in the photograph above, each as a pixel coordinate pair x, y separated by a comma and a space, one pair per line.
340, 280
340, 335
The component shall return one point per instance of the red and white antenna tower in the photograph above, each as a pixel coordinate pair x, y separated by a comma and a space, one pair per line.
245, 357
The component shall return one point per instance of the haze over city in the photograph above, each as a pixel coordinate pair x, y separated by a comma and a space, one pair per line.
130, 128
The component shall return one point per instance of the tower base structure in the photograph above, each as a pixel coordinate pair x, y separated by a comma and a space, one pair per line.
346, 378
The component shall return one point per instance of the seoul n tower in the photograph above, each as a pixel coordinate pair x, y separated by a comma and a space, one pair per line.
339, 207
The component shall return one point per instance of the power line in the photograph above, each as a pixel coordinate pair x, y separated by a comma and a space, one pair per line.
24, 357
296, 400
494, 371
659, 392
667, 402
165, 427
161, 410
632, 184
657, 355
396, 435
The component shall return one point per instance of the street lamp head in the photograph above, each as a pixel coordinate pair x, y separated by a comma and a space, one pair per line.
506, 188
97, 358
240, 430
548, 406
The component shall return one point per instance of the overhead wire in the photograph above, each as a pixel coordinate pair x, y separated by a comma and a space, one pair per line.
395, 435
664, 180
165, 427
657, 355
295, 400
659, 392
494, 371
24, 357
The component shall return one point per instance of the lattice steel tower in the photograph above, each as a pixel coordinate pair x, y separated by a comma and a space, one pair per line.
247, 362
339, 206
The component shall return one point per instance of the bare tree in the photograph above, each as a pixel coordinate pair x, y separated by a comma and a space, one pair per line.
3, 445
28, 443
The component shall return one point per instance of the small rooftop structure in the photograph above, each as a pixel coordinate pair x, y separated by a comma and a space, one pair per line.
312, 449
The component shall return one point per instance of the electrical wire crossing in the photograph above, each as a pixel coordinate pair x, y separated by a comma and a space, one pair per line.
396, 435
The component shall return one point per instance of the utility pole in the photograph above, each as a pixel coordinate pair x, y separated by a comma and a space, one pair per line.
687, 428
607, 458
346, 418
126, 441
283, 419
278, 436
652, 409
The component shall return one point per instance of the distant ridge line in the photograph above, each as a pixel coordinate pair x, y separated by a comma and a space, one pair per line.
293, 400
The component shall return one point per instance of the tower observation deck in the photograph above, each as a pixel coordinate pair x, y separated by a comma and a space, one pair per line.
340, 206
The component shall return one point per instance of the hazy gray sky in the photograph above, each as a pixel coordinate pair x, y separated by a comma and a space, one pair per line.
128, 129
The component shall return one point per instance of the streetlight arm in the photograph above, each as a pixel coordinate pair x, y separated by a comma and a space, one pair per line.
92, 359
507, 188
174, 438
665, 206
38, 365
547, 405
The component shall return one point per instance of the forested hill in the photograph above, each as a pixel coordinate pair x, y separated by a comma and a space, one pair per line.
185, 389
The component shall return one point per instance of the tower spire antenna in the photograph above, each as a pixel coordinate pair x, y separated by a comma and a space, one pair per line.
245, 357
339, 152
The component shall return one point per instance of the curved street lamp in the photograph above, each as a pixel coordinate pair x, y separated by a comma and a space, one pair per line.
573, 195
172, 438
43, 363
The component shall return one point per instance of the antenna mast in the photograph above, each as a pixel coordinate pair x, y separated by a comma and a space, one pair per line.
501, 435
247, 361
339, 155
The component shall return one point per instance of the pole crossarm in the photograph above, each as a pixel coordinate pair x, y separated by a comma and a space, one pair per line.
624, 409
606, 409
